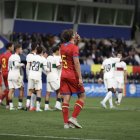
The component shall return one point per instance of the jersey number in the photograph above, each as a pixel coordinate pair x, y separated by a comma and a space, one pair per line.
65, 64
108, 68
35, 66
3, 63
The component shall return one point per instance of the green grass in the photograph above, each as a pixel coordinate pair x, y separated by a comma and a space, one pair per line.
120, 124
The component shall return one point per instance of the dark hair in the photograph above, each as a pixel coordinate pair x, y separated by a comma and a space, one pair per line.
34, 46
120, 52
67, 35
17, 46
55, 48
8, 45
39, 50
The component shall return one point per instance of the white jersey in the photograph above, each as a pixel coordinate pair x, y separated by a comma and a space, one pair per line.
29, 60
14, 65
52, 63
109, 67
120, 67
38, 63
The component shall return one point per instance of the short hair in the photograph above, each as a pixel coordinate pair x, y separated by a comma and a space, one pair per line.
39, 50
55, 48
120, 52
67, 35
8, 45
34, 46
17, 46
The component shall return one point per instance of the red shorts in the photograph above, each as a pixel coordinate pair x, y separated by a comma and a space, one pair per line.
5, 79
70, 86
0, 79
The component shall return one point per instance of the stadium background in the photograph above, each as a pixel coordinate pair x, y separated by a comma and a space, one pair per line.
103, 25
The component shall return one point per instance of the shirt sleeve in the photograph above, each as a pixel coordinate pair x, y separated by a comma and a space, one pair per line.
124, 65
75, 51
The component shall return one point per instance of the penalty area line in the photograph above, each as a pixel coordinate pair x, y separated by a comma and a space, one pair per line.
50, 137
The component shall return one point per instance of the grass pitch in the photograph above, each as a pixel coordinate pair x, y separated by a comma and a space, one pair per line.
122, 123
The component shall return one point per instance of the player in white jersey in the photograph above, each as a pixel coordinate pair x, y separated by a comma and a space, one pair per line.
121, 78
108, 67
29, 60
35, 77
15, 80
53, 78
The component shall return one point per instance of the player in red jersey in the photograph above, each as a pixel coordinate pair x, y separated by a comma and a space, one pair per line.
4, 69
71, 79
0, 82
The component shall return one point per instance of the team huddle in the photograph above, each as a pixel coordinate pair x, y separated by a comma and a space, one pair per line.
63, 72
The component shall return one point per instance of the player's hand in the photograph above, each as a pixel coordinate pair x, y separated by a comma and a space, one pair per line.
80, 82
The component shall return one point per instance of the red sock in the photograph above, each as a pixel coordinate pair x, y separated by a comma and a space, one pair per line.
77, 108
65, 111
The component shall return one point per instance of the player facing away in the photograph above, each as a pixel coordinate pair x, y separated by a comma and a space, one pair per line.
108, 67
121, 78
4, 70
71, 79
53, 78
29, 61
15, 79
38, 63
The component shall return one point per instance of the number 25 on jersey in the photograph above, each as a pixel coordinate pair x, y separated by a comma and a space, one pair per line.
65, 64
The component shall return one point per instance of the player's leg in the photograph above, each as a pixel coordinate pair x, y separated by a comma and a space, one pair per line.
58, 100
38, 88
33, 101
65, 110
120, 95
30, 91
10, 95
47, 97
110, 84
20, 100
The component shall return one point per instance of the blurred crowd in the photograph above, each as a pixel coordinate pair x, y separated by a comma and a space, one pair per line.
92, 51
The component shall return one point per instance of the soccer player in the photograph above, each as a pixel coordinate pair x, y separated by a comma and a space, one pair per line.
53, 78
15, 80
120, 77
71, 79
108, 66
4, 68
0, 84
29, 61
38, 63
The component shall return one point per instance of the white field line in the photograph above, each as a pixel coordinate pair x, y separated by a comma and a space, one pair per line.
50, 137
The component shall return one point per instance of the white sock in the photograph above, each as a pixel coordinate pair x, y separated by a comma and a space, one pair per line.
117, 94
46, 106
110, 102
107, 97
20, 104
58, 104
37, 105
28, 103
120, 95
33, 99
11, 105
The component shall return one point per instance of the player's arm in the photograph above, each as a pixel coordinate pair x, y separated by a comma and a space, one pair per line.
18, 64
28, 68
78, 69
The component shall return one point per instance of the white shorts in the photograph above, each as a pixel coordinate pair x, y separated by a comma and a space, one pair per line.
110, 83
119, 83
15, 84
53, 86
34, 84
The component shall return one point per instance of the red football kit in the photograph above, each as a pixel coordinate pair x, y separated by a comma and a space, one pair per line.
0, 73
4, 70
69, 77
4, 66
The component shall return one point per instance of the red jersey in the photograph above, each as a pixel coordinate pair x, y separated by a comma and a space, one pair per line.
4, 61
68, 51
